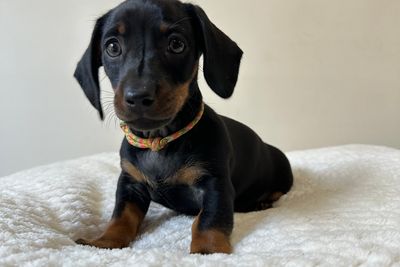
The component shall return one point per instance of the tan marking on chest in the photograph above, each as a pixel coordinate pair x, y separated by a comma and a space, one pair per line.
188, 174
135, 173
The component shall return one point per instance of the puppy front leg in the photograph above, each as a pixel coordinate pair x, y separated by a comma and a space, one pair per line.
212, 228
132, 203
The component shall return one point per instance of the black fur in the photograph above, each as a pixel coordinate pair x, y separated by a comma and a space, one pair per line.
241, 171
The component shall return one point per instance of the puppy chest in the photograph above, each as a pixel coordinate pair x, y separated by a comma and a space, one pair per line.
155, 170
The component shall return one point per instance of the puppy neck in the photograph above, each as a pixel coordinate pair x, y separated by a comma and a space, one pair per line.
187, 114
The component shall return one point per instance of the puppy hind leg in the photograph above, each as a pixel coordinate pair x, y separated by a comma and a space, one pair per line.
266, 200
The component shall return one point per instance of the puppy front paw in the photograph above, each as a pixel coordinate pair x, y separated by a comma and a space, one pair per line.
209, 242
104, 243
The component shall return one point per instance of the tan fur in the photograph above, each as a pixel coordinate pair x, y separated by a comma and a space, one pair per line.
121, 28
170, 100
209, 241
121, 231
187, 175
135, 173
164, 27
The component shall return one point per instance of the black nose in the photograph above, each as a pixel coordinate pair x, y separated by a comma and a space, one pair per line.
138, 99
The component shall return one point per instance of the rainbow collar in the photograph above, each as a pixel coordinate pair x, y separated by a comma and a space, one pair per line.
158, 143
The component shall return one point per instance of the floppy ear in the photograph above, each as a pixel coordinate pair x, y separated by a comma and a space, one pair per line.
87, 70
221, 55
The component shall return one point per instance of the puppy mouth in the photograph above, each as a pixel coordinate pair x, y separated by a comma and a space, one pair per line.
143, 121
147, 124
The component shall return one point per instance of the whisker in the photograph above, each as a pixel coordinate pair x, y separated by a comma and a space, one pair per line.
108, 105
116, 122
108, 110
107, 122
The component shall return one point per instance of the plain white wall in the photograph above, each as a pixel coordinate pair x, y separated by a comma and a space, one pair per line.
315, 73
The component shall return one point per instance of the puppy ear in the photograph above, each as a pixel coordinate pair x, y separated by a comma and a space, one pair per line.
87, 70
221, 55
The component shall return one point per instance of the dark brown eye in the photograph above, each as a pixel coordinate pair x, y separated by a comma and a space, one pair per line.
176, 46
113, 48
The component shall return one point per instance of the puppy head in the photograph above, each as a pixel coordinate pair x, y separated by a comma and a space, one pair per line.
150, 51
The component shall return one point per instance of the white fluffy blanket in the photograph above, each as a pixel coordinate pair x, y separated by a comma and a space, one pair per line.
344, 210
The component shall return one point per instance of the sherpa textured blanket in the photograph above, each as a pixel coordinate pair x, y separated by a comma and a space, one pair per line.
344, 210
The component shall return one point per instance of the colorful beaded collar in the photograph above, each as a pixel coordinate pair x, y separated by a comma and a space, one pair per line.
157, 144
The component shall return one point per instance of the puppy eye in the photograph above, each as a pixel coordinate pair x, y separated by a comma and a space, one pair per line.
113, 48
176, 46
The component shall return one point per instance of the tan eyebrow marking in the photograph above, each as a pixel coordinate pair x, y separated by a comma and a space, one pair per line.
121, 28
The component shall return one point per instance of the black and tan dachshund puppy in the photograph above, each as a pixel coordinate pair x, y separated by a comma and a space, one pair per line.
177, 152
